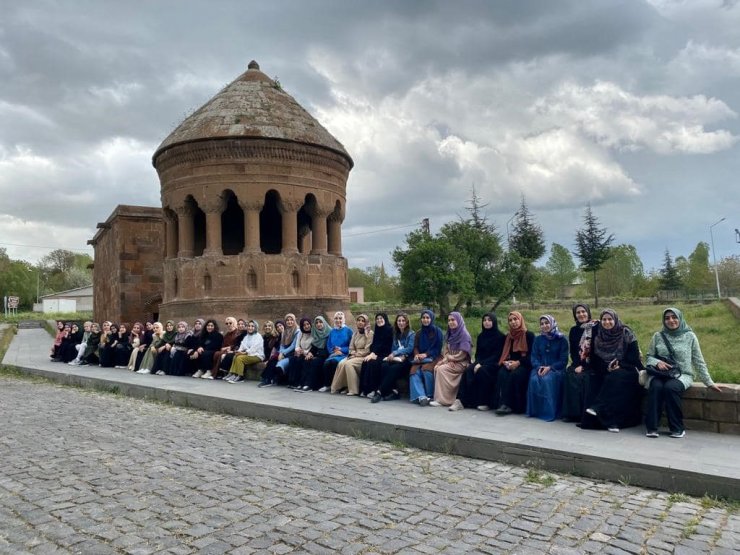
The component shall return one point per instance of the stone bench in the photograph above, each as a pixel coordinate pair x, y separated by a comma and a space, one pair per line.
711, 411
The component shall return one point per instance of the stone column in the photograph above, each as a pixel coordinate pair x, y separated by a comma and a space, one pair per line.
170, 225
251, 210
289, 212
335, 235
304, 239
213, 212
185, 231
318, 230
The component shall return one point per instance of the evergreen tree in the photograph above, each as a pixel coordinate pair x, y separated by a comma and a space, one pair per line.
670, 279
561, 268
592, 247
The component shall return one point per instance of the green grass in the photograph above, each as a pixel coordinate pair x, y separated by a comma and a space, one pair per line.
64, 316
715, 326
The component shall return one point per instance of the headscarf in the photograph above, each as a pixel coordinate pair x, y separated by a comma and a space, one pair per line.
306, 338
319, 337
427, 334
288, 332
585, 307
516, 339
489, 341
181, 337
459, 339
610, 344
169, 336
584, 343
341, 315
382, 343
256, 327
367, 321
554, 332
683, 327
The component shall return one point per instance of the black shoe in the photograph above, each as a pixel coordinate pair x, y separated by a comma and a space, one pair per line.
392, 397
503, 410
376, 399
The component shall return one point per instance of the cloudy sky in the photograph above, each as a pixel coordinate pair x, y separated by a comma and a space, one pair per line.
632, 106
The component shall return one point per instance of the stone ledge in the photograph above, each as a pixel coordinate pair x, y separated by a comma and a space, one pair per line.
733, 303
712, 411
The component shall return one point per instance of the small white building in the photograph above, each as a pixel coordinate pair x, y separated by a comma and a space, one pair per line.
79, 299
357, 295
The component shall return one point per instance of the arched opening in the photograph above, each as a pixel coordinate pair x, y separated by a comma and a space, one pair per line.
232, 225
271, 225
199, 226
172, 233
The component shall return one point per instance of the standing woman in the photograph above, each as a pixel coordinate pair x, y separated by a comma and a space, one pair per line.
346, 372
574, 377
449, 371
337, 345
612, 390
396, 364
514, 367
667, 392
479, 382
381, 347
549, 357
427, 352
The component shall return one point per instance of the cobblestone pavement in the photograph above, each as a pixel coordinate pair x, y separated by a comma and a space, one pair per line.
88, 472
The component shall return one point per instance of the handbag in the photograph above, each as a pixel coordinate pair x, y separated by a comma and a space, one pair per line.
674, 371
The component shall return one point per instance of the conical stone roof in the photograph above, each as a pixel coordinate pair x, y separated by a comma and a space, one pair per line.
252, 106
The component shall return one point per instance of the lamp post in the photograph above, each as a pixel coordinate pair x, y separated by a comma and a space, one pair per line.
714, 255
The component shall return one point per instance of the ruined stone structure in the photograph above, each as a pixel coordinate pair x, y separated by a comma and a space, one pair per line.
253, 197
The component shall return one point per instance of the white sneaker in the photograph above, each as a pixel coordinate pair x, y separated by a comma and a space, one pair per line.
678, 435
198, 374
591, 411
371, 395
435, 404
613, 429
207, 376
457, 405
160, 372
483, 407
323, 389
144, 371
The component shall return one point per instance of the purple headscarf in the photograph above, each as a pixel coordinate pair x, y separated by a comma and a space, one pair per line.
459, 339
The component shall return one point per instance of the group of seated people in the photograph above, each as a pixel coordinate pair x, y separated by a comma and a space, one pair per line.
508, 373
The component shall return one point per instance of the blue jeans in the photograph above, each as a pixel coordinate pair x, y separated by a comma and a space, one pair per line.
421, 384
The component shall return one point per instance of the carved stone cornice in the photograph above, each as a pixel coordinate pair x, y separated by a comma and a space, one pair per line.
289, 205
251, 204
246, 150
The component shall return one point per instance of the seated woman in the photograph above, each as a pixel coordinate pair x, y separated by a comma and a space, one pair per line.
574, 377
612, 390
380, 347
677, 342
121, 346
347, 369
427, 353
231, 341
515, 364
62, 331
106, 348
68, 349
455, 359
209, 344
337, 345
144, 342
310, 374
135, 341
396, 364
271, 355
549, 357
190, 368
286, 347
104, 332
479, 382
302, 348
176, 364
163, 351
251, 351
150, 354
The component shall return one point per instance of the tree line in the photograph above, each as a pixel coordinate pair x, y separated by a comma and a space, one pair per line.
467, 264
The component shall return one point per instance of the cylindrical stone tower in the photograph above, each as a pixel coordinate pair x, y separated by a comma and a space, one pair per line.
253, 195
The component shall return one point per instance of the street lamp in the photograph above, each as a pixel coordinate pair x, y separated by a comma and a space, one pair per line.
714, 255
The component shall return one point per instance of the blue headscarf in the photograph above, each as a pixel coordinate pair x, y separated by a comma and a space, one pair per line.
430, 337
554, 332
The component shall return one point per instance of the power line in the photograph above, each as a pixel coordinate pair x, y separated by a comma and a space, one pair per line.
380, 230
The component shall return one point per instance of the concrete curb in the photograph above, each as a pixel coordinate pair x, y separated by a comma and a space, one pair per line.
651, 475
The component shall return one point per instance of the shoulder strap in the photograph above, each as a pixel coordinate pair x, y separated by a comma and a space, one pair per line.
668, 345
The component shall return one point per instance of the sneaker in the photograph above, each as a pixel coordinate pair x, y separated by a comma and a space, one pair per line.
591, 411
74, 363
457, 405
144, 371
351, 394
678, 435
613, 429
198, 374
392, 397
323, 389
503, 410
306, 388
424, 401
237, 379
371, 395
160, 372
376, 399
483, 408
435, 404
228, 376
652, 434
264, 384
207, 375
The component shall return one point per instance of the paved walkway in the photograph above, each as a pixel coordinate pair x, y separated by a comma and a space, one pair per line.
87, 472
700, 463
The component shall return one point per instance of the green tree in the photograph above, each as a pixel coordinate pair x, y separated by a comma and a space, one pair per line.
699, 277
19, 279
560, 268
592, 247
62, 270
378, 285
670, 279
622, 273
728, 270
